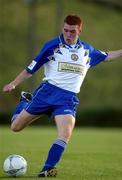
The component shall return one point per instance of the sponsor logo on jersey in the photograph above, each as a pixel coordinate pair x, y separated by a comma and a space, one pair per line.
62, 45
67, 110
57, 50
70, 67
74, 57
88, 60
73, 50
86, 52
51, 58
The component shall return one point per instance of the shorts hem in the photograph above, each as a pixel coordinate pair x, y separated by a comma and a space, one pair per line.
36, 114
53, 115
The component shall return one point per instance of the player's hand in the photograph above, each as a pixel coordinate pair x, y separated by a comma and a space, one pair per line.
9, 87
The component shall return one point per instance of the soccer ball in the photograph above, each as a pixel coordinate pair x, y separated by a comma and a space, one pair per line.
15, 166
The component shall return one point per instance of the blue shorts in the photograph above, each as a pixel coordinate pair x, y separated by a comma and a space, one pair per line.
52, 100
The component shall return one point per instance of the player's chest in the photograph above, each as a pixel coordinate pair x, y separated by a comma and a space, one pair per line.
71, 55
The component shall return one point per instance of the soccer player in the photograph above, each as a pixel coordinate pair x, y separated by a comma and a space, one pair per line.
66, 61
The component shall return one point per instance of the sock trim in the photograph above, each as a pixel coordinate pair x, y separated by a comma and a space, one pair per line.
61, 143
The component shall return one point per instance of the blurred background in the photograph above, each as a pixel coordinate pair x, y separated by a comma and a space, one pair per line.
25, 25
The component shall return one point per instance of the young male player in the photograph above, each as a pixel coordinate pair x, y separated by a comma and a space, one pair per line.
66, 61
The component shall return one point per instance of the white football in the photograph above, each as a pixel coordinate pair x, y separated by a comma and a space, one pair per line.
15, 166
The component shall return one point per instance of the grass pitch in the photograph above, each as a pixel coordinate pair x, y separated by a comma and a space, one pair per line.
92, 154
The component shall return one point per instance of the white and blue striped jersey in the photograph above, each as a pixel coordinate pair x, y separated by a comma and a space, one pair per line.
65, 66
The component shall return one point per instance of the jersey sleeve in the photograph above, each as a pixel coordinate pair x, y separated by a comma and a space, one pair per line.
39, 60
97, 56
43, 56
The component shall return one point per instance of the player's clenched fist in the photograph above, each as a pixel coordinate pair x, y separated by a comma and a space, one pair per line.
9, 87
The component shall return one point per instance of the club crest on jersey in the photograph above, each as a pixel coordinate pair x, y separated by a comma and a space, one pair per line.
74, 57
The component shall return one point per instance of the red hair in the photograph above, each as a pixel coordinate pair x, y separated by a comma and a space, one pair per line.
73, 20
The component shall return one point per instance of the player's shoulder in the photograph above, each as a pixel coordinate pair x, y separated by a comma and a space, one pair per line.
87, 45
49, 45
52, 43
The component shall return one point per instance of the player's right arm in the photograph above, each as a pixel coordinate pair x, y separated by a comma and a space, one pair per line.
20, 78
38, 61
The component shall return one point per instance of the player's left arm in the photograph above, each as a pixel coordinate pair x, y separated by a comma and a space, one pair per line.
112, 55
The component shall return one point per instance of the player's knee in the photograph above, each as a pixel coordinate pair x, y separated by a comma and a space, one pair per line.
65, 135
15, 128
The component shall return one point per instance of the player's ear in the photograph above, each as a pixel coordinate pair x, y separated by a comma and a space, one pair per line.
80, 29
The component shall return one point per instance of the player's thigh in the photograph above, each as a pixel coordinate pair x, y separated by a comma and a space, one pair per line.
22, 120
65, 125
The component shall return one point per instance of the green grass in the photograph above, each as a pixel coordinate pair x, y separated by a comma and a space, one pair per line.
92, 154
102, 28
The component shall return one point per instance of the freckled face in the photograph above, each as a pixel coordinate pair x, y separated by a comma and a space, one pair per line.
71, 33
